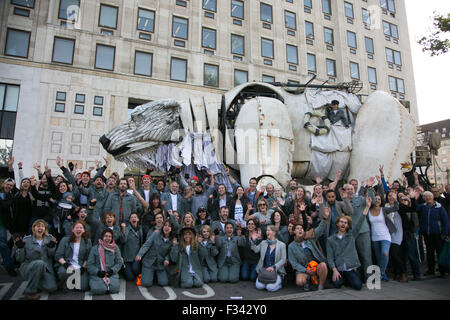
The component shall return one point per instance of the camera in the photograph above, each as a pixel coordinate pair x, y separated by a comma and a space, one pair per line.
216, 232
71, 166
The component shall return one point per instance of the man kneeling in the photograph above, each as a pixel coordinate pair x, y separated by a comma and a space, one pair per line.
306, 258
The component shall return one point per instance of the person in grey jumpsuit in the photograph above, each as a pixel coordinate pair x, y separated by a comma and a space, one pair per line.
363, 241
67, 264
103, 275
35, 253
154, 255
187, 255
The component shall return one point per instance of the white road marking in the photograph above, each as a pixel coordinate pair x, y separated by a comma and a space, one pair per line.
44, 296
88, 295
209, 293
19, 292
5, 288
121, 294
147, 295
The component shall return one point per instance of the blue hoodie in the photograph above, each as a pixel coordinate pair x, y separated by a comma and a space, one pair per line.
433, 219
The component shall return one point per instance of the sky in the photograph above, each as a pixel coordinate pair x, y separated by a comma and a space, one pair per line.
431, 73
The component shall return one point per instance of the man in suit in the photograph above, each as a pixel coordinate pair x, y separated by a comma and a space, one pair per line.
337, 114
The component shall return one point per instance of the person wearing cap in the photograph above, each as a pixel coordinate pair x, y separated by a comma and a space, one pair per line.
229, 259
336, 114
187, 256
200, 198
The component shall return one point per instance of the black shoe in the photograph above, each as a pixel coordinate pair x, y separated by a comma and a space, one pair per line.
429, 273
12, 273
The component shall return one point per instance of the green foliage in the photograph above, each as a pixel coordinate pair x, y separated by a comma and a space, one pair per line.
437, 43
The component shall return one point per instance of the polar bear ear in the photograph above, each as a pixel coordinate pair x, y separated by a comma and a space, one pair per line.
385, 134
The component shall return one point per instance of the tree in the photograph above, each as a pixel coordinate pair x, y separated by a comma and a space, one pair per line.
5, 155
436, 43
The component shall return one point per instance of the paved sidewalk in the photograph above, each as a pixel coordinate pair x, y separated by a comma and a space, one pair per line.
432, 288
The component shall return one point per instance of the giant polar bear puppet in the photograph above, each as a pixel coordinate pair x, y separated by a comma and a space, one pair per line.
264, 135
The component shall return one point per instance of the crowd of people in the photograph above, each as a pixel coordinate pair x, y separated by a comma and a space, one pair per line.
187, 231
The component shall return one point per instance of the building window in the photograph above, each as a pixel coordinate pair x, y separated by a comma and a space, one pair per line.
366, 17
328, 36
60, 104
146, 20
291, 54
390, 29
240, 77
208, 38
267, 48
108, 16
237, 9
326, 6
393, 56
396, 85
178, 69
268, 79
388, 5
143, 63
9, 100
181, 3
17, 43
290, 20
24, 3
351, 39
80, 98
372, 74
311, 59
210, 5
331, 67
210, 75
349, 10
307, 3
354, 70
97, 111
98, 100
68, 10
369, 45
237, 44
266, 12
104, 57
309, 30
180, 28
79, 109
63, 50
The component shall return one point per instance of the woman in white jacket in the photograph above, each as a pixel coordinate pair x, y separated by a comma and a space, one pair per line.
272, 258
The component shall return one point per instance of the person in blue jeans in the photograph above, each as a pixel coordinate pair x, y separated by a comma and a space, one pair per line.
249, 258
342, 256
381, 228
